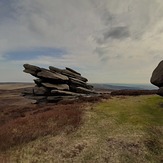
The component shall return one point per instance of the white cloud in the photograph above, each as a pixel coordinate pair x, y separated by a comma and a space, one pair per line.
107, 40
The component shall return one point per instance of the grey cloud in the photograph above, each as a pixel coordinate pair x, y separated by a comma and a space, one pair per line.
107, 18
106, 55
7, 10
100, 51
105, 59
117, 33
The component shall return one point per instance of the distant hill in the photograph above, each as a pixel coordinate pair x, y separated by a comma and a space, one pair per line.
123, 86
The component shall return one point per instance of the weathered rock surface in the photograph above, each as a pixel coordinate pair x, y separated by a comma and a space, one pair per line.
56, 84
32, 67
30, 72
160, 91
59, 98
64, 93
84, 90
73, 71
40, 91
27, 91
157, 75
157, 78
52, 75
68, 72
77, 82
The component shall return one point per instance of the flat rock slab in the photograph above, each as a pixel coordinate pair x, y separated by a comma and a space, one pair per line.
34, 73
50, 75
73, 71
32, 67
71, 74
54, 69
84, 90
64, 93
59, 98
56, 86
77, 82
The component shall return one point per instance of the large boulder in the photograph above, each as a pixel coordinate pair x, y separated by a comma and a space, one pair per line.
157, 75
160, 91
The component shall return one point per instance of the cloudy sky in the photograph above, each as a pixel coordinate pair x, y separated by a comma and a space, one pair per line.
108, 41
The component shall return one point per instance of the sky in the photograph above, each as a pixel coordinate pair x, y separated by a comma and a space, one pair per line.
107, 41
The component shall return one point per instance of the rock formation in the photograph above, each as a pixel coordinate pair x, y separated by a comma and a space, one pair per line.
157, 78
54, 84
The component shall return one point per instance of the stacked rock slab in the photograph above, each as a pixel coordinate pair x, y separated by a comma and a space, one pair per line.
157, 78
54, 84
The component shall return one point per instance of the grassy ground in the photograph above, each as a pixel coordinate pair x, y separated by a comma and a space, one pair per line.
117, 130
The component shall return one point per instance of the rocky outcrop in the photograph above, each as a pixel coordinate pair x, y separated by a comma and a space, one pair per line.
54, 84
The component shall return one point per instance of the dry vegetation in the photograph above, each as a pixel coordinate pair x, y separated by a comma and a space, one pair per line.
133, 92
22, 122
119, 129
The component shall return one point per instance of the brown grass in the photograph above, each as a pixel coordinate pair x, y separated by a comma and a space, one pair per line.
26, 129
133, 92
22, 122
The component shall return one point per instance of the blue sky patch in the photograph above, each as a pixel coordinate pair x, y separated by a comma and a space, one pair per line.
34, 53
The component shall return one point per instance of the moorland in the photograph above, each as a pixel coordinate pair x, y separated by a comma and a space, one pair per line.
112, 129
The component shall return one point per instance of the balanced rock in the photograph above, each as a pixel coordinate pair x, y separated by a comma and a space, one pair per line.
54, 84
157, 75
